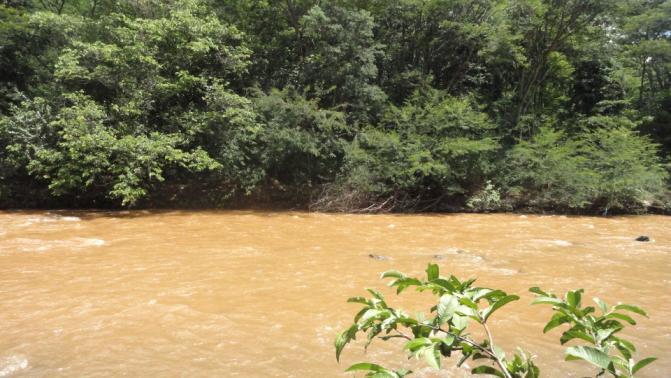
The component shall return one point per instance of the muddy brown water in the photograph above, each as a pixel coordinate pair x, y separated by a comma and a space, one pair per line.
258, 294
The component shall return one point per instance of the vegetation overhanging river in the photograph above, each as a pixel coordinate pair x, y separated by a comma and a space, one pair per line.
247, 294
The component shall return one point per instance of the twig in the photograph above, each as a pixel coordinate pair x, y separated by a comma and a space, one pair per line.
491, 346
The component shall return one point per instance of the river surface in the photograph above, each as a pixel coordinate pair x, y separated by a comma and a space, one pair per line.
262, 294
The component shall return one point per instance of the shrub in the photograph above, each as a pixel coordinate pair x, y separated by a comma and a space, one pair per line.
76, 149
433, 148
606, 166
487, 199
549, 171
300, 145
627, 166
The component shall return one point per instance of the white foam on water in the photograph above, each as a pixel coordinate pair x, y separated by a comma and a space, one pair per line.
12, 364
89, 242
558, 243
505, 271
49, 219
40, 245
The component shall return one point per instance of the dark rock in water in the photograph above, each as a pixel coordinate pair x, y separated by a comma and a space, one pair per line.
643, 238
378, 257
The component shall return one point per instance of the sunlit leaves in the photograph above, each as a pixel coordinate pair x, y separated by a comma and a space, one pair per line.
432, 272
442, 335
377, 371
634, 309
498, 304
642, 363
447, 306
344, 338
487, 370
557, 320
589, 354
598, 331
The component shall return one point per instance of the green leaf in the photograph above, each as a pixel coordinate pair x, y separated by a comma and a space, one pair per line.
625, 344
376, 294
392, 273
432, 272
362, 300
487, 370
444, 284
589, 354
459, 322
448, 340
624, 317
557, 320
466, 284
372, 332
487, 294
367, 366
468, 303
417, 343
537, 290
404, 283
573, 298
344, 338
497, 305
403, 372
602, 305
432, 356
468, 311
575, 333
369, 314
643, 363
604, 334
547, 300
358, 316
631, 308
623, 350
446, 307
621, 363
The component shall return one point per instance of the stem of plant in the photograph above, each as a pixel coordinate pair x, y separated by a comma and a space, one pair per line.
504, 370
471, 343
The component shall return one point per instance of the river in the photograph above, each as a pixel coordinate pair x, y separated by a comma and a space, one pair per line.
259, 294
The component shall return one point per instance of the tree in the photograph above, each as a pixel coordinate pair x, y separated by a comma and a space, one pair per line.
88, 153
339, 66
549, 171
627, 165
548, 28
424, 152
301, 145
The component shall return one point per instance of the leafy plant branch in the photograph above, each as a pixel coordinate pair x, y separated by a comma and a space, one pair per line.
605, 350
445, 333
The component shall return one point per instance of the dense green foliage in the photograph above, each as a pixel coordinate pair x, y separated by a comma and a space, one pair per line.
405, 105
445, 332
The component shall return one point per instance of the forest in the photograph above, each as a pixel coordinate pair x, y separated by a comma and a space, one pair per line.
337, 105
